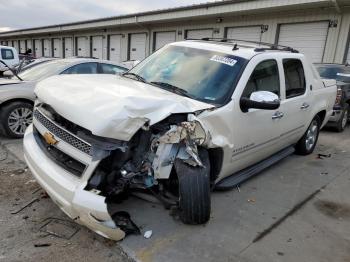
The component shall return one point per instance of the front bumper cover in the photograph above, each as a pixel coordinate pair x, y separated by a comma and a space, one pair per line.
67, 191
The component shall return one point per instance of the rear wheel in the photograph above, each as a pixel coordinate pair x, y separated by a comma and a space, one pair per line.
307, 143
194, 190
343, 120
15, 118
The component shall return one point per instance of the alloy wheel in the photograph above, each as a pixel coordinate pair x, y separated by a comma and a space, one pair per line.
19, 119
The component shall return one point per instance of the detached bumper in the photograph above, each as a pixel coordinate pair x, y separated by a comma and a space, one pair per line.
67, 191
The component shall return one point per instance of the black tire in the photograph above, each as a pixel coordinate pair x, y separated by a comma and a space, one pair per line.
303, 147
5, 114
343, 119
194, 190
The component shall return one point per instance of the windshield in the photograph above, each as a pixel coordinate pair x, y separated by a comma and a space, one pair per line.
339, 73
43, 70
200, 74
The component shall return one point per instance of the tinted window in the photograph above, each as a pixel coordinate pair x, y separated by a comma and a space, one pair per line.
86, 68
112, 69
204, 75
7, 54
295, 77
264, 78
339, 73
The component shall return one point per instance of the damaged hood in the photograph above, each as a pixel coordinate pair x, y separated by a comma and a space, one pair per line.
112, 106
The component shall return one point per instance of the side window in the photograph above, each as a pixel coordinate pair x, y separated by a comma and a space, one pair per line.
295, 77
265, 77
86, 68
111, 69
7, 54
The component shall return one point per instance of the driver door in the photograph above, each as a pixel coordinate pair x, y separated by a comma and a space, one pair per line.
258, 130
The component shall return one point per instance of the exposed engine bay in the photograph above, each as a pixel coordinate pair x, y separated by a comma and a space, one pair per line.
143, 166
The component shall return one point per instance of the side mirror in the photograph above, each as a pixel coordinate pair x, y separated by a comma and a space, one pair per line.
260, 100
8, 74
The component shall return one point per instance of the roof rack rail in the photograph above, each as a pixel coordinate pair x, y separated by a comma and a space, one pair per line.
258, 49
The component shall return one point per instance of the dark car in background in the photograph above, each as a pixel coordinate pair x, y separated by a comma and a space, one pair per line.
341, 73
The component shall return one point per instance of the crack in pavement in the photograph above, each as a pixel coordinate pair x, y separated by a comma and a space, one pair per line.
290, 213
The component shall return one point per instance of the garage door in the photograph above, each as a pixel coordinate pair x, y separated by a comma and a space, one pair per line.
38, 49
82, 47
115, 48
57, 49
348, 55
47, 48
97, 47
308, 38
68, 47
138, 46
249, 33
199, 34
15, 45
22, 46
29, 45
163, 38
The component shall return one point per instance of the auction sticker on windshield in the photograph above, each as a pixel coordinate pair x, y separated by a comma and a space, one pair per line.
224, 60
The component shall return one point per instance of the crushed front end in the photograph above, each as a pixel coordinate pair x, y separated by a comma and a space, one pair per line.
87, 176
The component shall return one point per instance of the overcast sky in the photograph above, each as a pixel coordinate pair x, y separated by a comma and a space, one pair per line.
19, 14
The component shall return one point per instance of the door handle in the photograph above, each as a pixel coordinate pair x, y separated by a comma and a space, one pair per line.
304, 106
278, 115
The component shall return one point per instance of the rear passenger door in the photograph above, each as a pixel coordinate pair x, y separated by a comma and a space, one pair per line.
295, 102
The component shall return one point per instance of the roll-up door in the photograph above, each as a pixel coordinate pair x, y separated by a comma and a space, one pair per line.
22, 46
15, 45
68, 47
97, 47
248, 33
82, 46
199, 33
57, 49
47, 48
138, 46
115, 48
163, 38
29, 44
38, 48
309, 38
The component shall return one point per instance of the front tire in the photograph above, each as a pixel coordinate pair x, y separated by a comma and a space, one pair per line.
343, 120
15, 118
307, 143
194, 190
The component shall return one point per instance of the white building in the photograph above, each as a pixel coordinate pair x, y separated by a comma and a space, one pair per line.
318, 28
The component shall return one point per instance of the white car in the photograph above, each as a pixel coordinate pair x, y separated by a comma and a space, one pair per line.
193, 116
17, 94
9, 56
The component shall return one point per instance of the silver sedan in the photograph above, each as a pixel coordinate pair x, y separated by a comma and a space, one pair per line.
17, 94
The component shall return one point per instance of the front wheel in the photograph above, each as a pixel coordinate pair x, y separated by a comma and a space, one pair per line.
15, 118
194, 190
307, 143
343, 119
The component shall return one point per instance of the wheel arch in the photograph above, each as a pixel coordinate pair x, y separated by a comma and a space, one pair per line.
322, 116
13, 100
216, 159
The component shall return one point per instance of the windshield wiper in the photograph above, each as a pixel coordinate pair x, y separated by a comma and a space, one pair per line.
173, 88
138, 77
13, 71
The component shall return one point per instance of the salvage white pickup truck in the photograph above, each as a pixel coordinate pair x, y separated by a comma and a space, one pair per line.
194, 116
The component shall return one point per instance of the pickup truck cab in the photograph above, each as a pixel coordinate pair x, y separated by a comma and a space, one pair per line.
194, 116
9, 55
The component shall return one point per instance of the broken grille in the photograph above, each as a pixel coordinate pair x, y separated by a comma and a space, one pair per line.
62, 133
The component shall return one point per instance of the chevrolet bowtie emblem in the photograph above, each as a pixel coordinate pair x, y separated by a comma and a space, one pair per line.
50, 139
